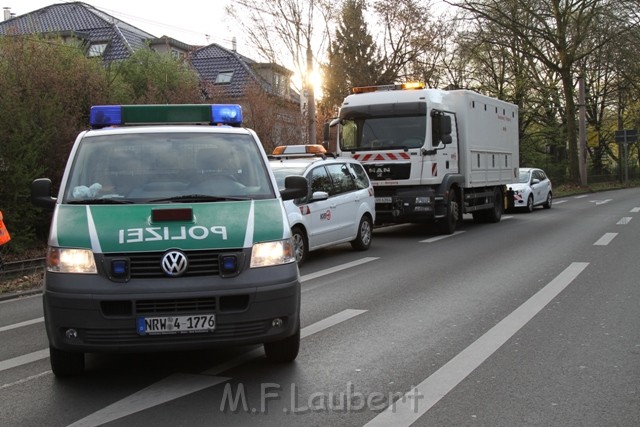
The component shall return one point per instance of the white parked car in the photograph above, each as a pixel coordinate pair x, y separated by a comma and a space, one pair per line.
532, 189
339, 207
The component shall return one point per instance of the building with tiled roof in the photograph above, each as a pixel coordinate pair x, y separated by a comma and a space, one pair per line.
102, 34
234, 73
224, 73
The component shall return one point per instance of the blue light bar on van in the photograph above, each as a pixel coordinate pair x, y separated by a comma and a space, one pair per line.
127, 115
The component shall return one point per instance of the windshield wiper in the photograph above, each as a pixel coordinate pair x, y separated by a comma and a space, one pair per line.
101, 201
196, 198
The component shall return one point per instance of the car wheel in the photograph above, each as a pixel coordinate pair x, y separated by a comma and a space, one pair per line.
547, 204
365, 231
66, 363
285, 350
530, 204
300, 244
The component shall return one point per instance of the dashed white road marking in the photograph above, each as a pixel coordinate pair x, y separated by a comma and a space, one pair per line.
335, 269
179, 385
24, 359
170, 388
635, 210
600, 202
21, 324
435, 239
624, 220
582, 196
605, 239
559, 202
425, 395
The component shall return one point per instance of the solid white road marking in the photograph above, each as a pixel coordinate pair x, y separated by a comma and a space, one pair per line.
624, 220
179, 385
605, 239
24, 359
435, 239
417, 402
21, 324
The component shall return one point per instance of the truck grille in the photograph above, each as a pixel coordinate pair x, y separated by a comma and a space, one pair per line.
388, 171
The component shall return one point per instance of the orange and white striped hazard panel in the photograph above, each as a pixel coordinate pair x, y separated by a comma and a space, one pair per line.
376, 157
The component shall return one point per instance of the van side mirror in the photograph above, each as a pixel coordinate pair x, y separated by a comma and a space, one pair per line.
295, 186
41, 193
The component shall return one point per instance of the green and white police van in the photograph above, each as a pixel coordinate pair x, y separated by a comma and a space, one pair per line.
168, 233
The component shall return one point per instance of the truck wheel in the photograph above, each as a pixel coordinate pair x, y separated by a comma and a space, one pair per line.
285, 350
365, 230
447, 225
65, 363
300, 244
495, 214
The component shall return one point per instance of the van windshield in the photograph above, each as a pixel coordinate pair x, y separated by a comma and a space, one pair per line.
176, 167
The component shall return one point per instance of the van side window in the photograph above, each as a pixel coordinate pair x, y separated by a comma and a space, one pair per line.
360, 176
341, 177
320, 181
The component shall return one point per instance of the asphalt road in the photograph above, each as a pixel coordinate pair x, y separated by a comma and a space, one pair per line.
534, 321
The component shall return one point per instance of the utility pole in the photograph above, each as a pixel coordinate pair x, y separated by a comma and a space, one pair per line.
311, 101
582, 133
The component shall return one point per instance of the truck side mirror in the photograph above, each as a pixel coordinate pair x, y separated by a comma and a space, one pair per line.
325, 133
445, 127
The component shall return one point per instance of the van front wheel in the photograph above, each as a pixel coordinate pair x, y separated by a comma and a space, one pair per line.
65, 363
285, 350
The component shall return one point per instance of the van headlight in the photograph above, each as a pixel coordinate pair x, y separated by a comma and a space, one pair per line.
272, 253
64, 260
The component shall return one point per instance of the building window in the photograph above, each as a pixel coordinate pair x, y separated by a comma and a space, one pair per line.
96, 49
224, 77
278, 84
176, 54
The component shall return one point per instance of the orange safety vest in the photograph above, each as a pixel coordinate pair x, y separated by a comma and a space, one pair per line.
4, 233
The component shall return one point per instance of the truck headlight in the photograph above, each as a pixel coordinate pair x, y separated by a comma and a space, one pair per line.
63, 260
272, 253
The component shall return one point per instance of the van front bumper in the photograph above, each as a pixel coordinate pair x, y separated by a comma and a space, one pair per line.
106, 322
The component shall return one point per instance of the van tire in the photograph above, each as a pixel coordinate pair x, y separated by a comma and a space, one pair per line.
365, 232
285, 350
66, 363
300, 244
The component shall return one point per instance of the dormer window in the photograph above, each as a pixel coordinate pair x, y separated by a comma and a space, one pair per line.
224, 77
96, 49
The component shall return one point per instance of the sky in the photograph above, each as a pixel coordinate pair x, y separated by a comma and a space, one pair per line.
194, 22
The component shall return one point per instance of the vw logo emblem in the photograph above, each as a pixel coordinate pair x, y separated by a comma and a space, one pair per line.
174, 263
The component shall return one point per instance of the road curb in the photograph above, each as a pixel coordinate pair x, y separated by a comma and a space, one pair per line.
15, 295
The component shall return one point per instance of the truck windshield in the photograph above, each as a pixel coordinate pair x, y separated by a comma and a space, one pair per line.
379, 133
146, 167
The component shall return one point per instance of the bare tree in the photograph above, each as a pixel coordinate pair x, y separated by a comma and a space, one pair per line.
556, 34
288, 32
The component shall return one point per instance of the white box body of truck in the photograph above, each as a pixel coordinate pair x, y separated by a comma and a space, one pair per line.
431, 154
